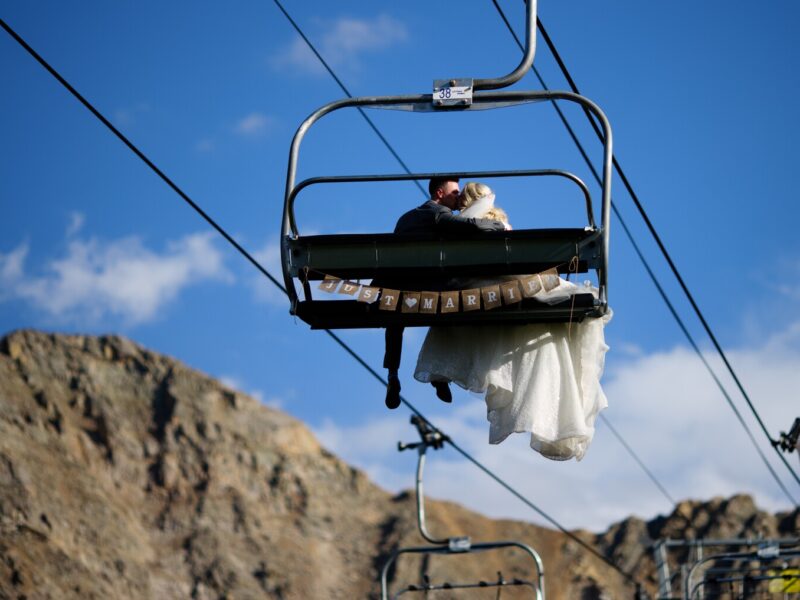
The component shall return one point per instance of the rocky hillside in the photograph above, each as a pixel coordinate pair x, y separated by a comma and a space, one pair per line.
126, 474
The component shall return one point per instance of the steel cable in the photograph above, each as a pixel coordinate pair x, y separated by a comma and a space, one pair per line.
264, 271
653, 278
669, 260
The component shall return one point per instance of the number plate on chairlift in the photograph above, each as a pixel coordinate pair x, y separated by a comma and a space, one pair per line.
452, 92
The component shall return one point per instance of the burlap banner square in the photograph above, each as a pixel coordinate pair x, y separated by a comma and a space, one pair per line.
471, 299
429, 302
450, 302
410, 302
491, 296
349, 287
329, 284
511, 292
368, 294
531, 285
389, 299
550, 279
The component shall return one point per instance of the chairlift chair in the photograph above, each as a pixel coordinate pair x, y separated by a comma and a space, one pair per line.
457, 546
404, 258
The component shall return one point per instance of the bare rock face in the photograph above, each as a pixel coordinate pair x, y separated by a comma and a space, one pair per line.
126, 474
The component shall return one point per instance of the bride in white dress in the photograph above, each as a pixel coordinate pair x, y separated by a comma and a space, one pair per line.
543, 379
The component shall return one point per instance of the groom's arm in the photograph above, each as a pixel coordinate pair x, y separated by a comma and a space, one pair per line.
447, 221
451, 222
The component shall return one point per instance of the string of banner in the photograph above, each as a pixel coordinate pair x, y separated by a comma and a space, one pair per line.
486, 297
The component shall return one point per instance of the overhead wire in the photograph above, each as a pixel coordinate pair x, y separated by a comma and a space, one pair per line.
668, 258
265, 272
348, 94
588, 161
652, 275
638, 460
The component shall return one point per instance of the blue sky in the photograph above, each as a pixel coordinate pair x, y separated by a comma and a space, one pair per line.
700, 98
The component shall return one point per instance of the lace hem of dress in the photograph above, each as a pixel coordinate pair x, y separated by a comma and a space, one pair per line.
568, 445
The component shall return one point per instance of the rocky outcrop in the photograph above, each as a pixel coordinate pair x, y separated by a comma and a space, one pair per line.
628, 542
126, 474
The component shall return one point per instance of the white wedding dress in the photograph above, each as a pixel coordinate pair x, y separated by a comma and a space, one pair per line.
542, 379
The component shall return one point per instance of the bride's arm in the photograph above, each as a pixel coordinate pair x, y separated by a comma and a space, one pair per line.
450, 222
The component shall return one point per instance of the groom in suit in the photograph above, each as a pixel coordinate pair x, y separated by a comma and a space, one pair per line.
436, 215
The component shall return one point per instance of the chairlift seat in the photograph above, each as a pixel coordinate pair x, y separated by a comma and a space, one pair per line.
426, 262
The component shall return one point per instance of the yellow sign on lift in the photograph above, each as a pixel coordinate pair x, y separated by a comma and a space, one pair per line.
786, 582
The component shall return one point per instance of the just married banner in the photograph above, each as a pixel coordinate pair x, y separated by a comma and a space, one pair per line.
488, 297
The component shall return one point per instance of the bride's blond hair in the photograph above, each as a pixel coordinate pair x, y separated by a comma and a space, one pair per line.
496, 214
474, 190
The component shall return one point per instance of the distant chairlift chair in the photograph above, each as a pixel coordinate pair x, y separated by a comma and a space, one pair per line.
453, 546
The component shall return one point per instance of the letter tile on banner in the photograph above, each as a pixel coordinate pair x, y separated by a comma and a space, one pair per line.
389, 299
429, 302
349, 287
511, 292
491, 296
531, 285
410, 302
329, 284
550, 279
450, 302
368, 294
471, 299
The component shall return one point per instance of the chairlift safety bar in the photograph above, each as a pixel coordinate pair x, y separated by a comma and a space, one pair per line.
527, 57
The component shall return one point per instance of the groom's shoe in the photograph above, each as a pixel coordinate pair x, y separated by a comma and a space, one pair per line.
393, 391
443, 391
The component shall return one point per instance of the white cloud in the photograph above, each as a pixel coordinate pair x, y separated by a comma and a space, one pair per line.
126, 116
205, 145
119, 278
666, 407
253, 125
269, 256
343, 43
76, 221
11, 268
791, 291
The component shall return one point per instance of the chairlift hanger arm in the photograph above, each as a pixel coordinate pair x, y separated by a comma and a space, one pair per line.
432, 437
527, 58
